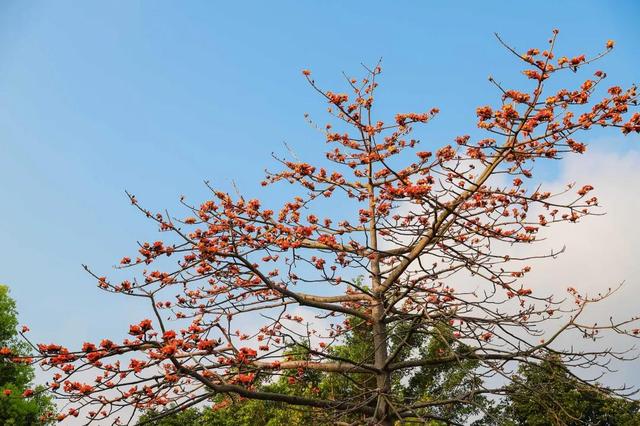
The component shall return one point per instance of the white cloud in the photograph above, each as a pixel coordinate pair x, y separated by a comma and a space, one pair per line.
601, 251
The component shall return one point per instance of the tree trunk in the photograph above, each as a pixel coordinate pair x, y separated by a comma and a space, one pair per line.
383, 379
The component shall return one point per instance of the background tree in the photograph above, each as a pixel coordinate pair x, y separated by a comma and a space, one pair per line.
20, 403
549, 394
434, 233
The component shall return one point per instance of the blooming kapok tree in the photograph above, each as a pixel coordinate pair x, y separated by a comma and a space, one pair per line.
426, 239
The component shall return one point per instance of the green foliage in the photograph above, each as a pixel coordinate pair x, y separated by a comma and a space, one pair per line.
268, 413
357, 347
546, 394
16, 378
188, 417
243, 413
445, 381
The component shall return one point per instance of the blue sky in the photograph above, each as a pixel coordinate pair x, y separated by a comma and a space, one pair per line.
157, 96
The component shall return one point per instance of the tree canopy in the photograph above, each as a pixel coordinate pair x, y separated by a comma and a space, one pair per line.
392, 285
548, 393
20, 403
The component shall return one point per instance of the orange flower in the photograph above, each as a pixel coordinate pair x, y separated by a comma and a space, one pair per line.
169, 335
484, 113
245, 378
585, 189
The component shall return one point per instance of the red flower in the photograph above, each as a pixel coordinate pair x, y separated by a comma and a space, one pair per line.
169, 335
106, 343
207, 345
245, 378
